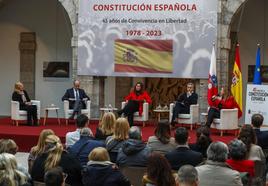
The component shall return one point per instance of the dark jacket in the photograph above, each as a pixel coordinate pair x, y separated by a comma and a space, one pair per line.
17, 97
182, 156
99, 135
103, 175
187, 101
69, 164
70, 94
83, 147
262, 138
113, 146
133, 153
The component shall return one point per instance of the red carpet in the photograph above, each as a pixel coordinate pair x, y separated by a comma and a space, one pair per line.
26, 136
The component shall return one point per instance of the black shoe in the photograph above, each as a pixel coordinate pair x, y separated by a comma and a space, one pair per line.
72, 116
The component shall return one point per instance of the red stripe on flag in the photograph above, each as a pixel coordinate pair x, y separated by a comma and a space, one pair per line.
129, 68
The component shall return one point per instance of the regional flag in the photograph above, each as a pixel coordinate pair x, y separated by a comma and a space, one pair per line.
257, 72
236, 87
212, 78
143, 56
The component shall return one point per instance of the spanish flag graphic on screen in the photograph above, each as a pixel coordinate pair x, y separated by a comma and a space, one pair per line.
144, 56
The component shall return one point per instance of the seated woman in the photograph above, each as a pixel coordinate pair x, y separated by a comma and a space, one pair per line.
237, 153
158, 172
22, 97
135, 102
106, 126
203, 140
100, 171
162, 142
56, 156
116, 141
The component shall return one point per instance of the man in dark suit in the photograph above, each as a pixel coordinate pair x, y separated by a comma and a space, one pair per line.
77, 98
262, 136
183, 155
183, 103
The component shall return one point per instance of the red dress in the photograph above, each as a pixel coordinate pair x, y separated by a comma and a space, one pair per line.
242, 165
143, 96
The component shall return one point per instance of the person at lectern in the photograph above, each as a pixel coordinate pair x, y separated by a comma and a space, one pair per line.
182, 105
22, 97
77, 98
134, 102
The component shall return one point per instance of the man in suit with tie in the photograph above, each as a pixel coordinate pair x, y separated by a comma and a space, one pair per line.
262, 136
77, 98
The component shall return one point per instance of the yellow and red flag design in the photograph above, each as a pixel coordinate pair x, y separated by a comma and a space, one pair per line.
236, 87
143, 56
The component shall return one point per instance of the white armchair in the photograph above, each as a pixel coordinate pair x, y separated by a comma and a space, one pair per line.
21, 115
68, 112
145, 114
227, 121
192, 118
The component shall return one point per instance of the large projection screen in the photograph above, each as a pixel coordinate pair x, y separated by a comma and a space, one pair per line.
150, 38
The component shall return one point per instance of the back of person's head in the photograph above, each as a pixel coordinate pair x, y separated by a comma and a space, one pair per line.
85, 132
257, 120
181, 135
121, 129
54, 177
99, 154
81, 121
135, 133
159, 170
217, 151
248, 136
187, 175
8, 146
237, 150
162, 131
54, 149
107, 123
41, 144
203, 137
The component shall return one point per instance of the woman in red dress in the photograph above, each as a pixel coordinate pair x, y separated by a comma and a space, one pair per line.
135, 102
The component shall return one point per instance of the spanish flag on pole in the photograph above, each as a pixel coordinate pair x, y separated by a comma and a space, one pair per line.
143, 56
236, 87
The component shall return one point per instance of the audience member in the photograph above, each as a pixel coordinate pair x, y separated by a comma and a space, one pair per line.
39, 148
56, 156
183, 155
183, 103
116, 141
203, 140
187, 176
106, 126
22, 97
84, 146
248, 136
134, 102
54, 177
215, 171
77, 98
72, 137
162, 142
262, 136
134, 151
158, 172
101, 172
237, 154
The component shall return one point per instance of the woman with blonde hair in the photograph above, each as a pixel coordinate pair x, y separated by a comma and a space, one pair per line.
21, 96
116, 141
56, 156
9, 175
100, 171
39, 148
106, 126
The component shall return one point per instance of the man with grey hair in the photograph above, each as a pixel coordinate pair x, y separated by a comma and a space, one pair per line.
215, 171
134, 152
187, 176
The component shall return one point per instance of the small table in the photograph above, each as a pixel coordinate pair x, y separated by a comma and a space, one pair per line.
159, 111
204, 115
51, 109
107, 109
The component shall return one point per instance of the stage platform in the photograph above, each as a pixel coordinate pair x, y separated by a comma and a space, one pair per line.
26, 136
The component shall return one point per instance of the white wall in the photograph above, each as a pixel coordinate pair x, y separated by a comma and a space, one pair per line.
37, 16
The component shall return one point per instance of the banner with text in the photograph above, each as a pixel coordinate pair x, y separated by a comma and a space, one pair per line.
257, 102
146, 38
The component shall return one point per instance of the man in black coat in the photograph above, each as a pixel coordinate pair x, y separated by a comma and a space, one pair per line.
183, 103
77, 98
262, 136
183, 155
